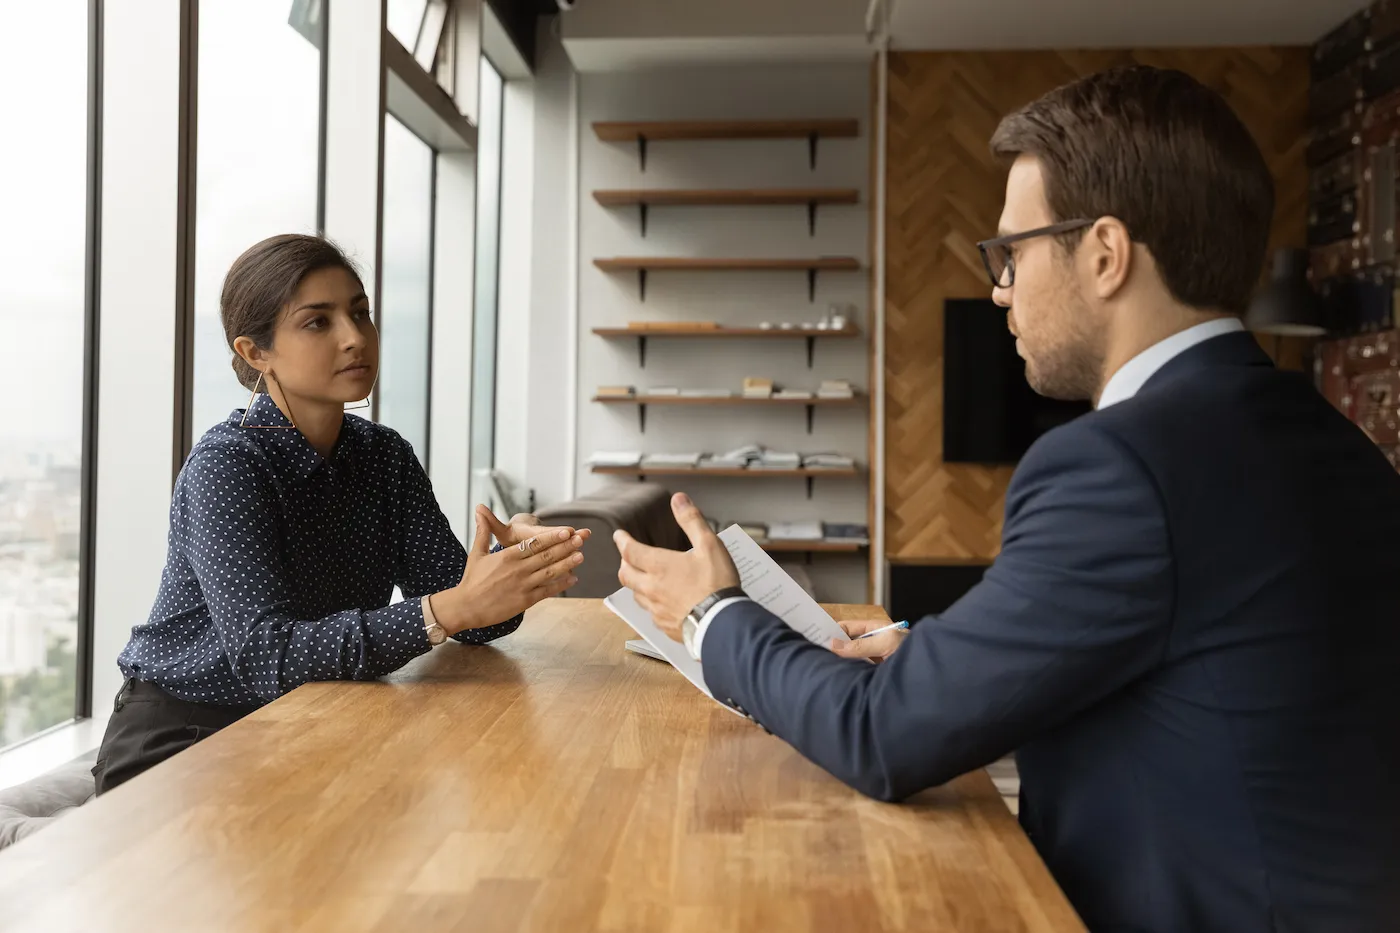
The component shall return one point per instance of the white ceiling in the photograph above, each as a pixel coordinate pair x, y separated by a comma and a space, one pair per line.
1046, 24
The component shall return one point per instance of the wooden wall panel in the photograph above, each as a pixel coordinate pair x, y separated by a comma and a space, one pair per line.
945, 193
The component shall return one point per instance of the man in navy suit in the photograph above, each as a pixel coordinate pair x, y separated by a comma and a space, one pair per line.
1191, 637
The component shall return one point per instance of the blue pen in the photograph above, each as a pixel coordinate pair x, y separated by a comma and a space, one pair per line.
883, 628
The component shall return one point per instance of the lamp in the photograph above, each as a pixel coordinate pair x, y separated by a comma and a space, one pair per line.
1287, 306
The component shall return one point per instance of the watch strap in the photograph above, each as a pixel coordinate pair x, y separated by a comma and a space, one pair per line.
709, 602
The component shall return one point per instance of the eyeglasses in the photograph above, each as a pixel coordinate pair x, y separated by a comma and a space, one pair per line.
996, 252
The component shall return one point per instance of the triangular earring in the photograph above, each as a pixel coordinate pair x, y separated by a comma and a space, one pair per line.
272, 427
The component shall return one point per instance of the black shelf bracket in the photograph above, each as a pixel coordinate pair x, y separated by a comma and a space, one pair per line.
642, 351
812, 285
811, 352
811, 481
642, 284
642, 208
812, 150
811, 416
642, 416
811, 218
642, 150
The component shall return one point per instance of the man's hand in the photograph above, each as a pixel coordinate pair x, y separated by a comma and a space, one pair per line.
875, 648
668, 584
522, 527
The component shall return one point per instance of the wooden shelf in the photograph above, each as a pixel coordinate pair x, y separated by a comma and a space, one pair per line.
735, 197
641, 334
643, 132
645, 199
709, 264
725, 474
813, 547
642, 265
746, 332
731, 400
630, 130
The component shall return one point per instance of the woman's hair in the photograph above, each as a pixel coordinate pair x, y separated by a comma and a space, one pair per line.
262, 281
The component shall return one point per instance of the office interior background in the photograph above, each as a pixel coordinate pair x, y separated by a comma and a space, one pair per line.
725, 247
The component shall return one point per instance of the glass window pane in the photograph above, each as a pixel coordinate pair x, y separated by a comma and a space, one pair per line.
406, 298
404, 19
488, 251
42, 273
429, 38
256, 166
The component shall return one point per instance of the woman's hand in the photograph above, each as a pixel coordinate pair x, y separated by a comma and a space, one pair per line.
521, 527
500, 586
875, 648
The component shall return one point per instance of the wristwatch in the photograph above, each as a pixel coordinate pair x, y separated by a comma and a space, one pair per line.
691, 623
434, 630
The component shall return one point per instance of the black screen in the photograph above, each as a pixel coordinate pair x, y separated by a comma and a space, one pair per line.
990, 413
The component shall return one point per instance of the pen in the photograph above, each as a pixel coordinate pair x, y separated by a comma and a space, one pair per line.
883, 628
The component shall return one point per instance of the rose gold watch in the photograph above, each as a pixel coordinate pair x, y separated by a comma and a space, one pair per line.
434, 630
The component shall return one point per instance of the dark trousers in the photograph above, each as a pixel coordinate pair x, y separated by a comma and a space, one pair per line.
149, 725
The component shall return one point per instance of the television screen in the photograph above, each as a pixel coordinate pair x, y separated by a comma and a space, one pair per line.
990, 412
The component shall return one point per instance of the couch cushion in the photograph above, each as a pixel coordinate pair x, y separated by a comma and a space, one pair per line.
29, 807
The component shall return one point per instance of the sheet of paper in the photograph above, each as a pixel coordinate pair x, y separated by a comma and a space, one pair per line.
764, 581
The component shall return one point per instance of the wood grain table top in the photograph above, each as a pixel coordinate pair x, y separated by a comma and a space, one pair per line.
551, 782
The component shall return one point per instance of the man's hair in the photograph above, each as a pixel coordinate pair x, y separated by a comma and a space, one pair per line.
1165, 155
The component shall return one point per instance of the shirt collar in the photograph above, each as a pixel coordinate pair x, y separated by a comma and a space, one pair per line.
1132, 375
292, 454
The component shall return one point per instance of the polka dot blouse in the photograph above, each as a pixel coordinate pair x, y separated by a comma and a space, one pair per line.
282, 563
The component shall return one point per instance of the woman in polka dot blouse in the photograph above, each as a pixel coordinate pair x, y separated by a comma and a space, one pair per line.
292, 522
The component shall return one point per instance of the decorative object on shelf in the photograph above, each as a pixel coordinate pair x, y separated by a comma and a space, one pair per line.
644, 199
616, 391
756, 387
1361, 377
646, 131
643, 265
1287, 305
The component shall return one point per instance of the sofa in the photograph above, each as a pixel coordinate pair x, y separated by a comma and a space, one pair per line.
29, 807
643, 510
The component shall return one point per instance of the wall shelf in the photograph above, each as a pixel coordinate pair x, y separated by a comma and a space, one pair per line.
641, 473
644, 131
808, 548
642, 265
811, 404
759, 333
645, 199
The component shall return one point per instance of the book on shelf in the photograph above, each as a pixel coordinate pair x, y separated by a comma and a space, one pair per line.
673, 325
755, 530
792, 394
836, 388
663, 391
671, 461
845, 533
828, 462
795, 531
710, 462
616, 391
706, 393
778, 460
755, 387
746, 453
615, 458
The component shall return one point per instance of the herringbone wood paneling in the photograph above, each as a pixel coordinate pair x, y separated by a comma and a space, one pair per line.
945, 193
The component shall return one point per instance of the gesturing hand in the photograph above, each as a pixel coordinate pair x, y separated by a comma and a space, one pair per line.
876, 647
668, 584
500, 586
521, 527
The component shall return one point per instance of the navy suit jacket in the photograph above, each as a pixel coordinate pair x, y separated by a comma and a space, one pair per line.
1191, 638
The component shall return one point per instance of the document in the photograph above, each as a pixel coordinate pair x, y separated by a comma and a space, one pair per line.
766, 584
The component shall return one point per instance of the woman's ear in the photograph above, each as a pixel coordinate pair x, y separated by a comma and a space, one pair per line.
252, 354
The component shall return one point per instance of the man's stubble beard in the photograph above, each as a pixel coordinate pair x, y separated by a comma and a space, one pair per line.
1071, 368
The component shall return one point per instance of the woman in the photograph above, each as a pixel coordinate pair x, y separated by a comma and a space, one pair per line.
292, 522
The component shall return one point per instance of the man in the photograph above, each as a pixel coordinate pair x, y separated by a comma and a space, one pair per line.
1191, 637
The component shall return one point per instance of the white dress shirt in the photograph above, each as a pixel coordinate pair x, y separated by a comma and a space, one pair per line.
1132, 375
1121, 386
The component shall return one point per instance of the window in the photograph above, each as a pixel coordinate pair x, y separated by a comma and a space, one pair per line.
257, 166
405, 16
43, 314
405, 319
488, 253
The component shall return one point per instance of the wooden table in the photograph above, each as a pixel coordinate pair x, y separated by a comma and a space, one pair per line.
555, 782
